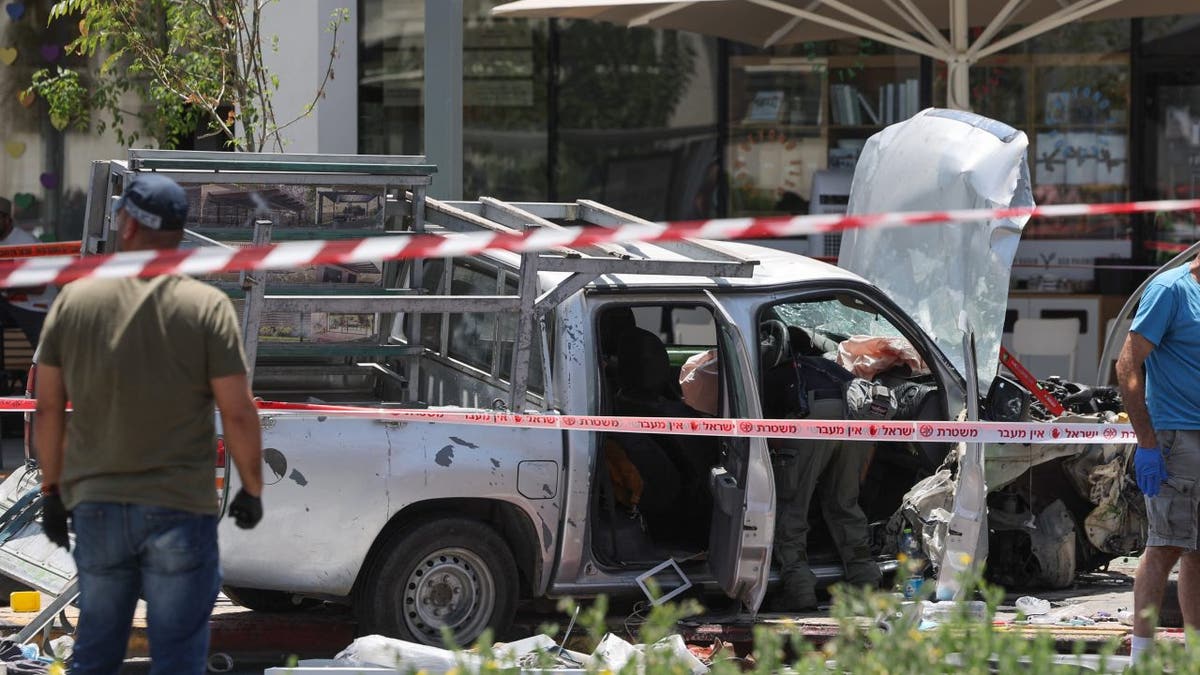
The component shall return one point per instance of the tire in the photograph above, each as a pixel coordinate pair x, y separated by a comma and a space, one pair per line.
448, 572
261, 600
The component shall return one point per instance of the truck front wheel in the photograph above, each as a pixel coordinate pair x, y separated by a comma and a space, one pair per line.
446, 573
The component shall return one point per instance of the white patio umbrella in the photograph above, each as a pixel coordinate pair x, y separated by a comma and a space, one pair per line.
912, 25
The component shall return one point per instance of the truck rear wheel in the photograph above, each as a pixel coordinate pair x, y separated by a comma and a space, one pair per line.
449, 573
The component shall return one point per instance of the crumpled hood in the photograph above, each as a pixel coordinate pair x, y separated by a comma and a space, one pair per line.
943, 159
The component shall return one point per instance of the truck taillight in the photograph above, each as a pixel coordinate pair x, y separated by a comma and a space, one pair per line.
30, 388
220, 477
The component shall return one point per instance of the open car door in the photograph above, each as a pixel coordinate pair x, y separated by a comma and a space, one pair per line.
743, 488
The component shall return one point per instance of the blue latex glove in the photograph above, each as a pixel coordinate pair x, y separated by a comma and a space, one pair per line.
1151, 470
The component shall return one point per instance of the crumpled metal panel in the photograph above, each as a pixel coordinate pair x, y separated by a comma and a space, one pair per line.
1052, 541
943, 159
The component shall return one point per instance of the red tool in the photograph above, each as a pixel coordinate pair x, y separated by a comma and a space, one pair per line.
1027, 379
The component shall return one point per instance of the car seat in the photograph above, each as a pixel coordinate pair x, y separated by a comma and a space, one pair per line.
612, 323
676, 465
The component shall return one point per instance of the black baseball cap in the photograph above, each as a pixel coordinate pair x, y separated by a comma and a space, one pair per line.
155, 201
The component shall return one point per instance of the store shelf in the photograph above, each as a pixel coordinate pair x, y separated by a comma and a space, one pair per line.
766, 126
1081, 127
787, 121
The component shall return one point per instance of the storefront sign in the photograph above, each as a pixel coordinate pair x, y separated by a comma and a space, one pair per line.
1044, 262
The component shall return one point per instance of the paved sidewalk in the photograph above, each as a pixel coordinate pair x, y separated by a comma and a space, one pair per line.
317, 633
1088, 612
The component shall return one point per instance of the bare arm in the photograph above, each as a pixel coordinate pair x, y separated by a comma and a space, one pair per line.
50, 423
1133, 387
243, 435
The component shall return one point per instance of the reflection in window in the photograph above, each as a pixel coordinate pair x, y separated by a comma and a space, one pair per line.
433, 283
637, 114
473, 335
504, 93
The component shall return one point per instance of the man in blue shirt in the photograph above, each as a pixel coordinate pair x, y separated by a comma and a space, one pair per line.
1159, 372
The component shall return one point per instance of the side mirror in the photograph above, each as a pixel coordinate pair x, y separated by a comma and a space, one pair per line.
1007, 401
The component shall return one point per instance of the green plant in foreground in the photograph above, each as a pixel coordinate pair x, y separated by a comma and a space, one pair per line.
878, 633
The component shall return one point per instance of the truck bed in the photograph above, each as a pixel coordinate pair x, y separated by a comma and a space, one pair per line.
363, 383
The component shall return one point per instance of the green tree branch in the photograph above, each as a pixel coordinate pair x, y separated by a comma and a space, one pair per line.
197, 66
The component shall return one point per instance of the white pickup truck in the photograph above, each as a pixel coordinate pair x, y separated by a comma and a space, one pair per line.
423, 526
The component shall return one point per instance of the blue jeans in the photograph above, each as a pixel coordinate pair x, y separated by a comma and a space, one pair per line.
168, 557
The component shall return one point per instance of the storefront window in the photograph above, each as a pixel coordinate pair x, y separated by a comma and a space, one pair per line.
794, 117
505, 117
1069, 91
391, 76
1171, 85
799, 117
637, 119
577, 109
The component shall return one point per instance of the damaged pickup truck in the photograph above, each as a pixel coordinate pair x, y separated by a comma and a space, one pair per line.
425, 526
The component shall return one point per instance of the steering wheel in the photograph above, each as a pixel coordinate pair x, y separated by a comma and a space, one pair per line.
773, 347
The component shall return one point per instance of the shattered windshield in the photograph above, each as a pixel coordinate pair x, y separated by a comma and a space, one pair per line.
843, 316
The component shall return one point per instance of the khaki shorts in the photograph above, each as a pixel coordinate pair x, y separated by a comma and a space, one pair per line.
1173, 512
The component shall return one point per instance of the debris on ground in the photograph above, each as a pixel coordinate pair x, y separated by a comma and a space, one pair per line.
934, 613
1031, 606
540, 653
718, 650
25, 659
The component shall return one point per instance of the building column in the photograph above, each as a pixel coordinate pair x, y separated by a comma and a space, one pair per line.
300, 62
443, 95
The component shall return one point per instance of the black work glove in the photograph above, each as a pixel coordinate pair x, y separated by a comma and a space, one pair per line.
54, 518
245, 509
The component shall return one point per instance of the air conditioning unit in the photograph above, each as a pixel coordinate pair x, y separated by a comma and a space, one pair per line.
830, 194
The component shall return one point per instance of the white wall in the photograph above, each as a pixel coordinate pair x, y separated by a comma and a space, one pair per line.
303, 50
22, 174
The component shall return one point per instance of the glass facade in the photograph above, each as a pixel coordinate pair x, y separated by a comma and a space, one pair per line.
671, 125
1171, 88
800, 115
555, 110
636, 119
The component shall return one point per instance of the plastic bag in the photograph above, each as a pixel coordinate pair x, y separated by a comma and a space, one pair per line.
866, 356
1032, 606
698, 381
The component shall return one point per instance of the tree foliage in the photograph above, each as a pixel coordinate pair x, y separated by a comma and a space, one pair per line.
612, 77
190, 65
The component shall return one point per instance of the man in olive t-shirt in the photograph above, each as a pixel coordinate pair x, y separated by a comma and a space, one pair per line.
142, 362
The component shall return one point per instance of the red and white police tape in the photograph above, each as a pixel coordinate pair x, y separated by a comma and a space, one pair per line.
846, 430
291, 255
70, 248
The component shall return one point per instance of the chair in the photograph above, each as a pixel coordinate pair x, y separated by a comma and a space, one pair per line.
1122, 330
1047, 337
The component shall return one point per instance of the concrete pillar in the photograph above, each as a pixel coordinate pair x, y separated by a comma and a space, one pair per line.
304, 44
443, 95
